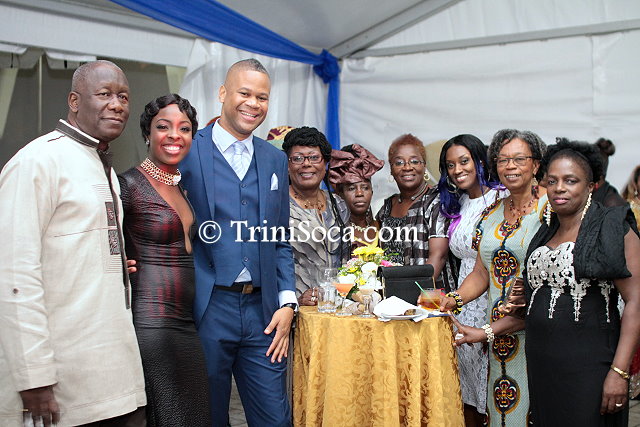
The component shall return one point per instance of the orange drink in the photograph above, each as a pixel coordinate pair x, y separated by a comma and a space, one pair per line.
430, 299
343, 288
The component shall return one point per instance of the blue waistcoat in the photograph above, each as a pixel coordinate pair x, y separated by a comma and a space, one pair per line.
235, 200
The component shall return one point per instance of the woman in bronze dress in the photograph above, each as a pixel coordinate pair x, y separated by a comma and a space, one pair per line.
158, 228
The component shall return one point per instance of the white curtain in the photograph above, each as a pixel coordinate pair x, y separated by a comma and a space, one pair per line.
298, 96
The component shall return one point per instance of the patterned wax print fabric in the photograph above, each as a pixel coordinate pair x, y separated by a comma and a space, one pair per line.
503, 248
472, 359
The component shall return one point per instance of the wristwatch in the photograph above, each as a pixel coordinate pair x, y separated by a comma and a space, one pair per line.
292, 306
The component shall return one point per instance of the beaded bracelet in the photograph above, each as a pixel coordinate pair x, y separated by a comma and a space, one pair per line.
620, 372
489, 331
456, 296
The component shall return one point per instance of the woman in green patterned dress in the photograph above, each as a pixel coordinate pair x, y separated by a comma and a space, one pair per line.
502, 238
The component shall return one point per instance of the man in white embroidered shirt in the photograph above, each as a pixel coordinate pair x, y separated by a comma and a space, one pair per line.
68, 350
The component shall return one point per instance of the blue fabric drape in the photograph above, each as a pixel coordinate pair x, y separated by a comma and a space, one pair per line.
216, 22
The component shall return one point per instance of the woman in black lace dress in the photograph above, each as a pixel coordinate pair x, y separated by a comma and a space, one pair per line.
158, 228
578, 348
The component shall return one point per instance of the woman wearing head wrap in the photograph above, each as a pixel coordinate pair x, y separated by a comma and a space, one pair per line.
350, 172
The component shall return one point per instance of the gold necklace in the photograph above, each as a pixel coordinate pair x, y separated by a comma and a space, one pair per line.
159, 175
359, 227
314, 204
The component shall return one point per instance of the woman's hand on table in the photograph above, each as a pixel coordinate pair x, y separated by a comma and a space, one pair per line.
309, 297
467, 334
614, 393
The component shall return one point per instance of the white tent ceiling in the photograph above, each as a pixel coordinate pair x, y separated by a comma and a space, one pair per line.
342, 27
595, 93
359, 28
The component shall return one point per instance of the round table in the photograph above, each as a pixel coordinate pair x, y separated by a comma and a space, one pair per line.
355, 371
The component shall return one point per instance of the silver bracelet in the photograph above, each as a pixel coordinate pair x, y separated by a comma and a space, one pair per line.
489, 331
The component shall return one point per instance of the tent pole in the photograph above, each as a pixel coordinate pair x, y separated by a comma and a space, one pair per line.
393, 25
578, 31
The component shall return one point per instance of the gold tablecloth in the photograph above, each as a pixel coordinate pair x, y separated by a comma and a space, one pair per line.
362, 372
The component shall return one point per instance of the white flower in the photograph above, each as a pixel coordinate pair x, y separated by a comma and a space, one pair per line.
369, 268
347, 278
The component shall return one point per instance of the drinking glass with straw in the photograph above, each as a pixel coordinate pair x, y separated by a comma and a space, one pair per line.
430, 298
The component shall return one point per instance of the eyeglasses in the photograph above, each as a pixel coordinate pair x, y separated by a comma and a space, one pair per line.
414, 163
518, 161
313, 159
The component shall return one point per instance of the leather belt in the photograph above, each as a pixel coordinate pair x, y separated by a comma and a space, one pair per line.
240, 287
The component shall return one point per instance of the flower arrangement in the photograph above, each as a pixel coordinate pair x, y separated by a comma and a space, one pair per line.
362, 268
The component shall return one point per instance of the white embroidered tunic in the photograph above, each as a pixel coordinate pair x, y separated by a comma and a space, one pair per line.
64, 319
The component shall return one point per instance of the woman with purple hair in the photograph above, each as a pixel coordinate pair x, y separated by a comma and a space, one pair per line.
465, 192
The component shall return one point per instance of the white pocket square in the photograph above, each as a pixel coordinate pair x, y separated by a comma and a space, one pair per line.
274, 182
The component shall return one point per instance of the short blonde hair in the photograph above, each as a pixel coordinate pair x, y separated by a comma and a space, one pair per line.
407, 139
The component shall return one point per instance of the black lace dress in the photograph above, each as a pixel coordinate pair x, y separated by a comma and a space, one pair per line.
572, 330
163, 290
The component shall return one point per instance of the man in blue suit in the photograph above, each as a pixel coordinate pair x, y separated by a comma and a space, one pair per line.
245, 287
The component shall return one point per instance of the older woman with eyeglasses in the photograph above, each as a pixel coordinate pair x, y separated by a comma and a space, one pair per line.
317, 217
502, 237
413, 232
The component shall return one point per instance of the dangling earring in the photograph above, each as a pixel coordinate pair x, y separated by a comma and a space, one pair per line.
451, 187
534, 187
146, 141
390, 179
426, 176
548, 210
586, 207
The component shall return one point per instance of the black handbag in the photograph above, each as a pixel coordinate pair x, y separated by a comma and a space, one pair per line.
401, 281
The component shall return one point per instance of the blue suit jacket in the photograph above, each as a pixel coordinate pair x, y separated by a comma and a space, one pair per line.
276, 258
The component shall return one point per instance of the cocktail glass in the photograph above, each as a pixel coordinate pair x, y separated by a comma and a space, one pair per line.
343, 289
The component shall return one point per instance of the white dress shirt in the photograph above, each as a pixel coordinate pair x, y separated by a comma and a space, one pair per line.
223, 140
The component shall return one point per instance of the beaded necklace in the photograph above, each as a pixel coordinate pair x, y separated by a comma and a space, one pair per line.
159, 175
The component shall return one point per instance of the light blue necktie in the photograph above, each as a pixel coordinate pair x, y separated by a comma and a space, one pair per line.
237, 160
